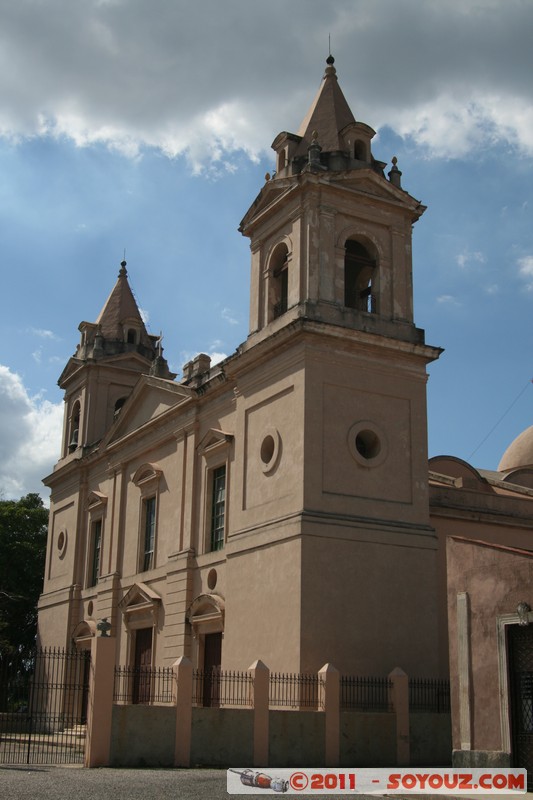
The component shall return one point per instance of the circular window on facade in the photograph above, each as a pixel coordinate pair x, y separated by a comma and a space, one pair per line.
270, 452
90, 608
212, 578
62, 542
367, 443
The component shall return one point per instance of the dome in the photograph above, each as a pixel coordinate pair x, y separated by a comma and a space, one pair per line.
519, 453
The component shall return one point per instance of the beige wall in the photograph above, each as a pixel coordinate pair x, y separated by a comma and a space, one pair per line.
495, 580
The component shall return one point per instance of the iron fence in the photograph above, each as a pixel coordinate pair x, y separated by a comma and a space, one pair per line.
144, 685
365, 693
294, 690
216, 688
43, 706
429, 694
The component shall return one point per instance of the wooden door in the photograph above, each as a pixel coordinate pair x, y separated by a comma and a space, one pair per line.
212, 661
142, 666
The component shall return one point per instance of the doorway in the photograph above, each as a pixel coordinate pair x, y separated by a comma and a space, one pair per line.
212, 662
142, 666
520, 652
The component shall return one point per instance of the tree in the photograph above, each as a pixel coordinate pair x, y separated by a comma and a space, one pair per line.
23, 530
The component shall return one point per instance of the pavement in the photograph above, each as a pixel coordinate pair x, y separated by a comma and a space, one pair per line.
70, 782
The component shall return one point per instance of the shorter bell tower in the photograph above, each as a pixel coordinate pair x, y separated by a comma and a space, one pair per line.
112, 354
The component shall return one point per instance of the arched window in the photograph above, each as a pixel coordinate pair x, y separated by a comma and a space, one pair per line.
359, 276
74, 428
131, 337
359, 151
279, 281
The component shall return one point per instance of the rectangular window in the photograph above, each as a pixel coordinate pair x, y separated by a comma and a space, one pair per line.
96, 549
149, 534
218, 508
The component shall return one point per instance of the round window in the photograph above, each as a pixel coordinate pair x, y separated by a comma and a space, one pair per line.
212, 578
367, 443
62, 542
270, 451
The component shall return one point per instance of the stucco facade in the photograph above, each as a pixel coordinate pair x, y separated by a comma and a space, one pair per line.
278, 505
313, 434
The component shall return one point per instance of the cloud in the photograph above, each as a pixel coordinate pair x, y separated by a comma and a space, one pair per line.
448, 299
30, 437
525, 270
209, 79
229, 316
466, 257
44, 334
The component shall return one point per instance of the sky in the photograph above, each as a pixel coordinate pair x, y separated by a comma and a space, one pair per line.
144, 127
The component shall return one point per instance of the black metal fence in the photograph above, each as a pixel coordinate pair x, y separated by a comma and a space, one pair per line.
144, 685
294, 690
365, 693
429, 694
216, 688
43, 707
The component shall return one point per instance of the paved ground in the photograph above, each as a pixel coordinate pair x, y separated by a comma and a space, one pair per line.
74, 783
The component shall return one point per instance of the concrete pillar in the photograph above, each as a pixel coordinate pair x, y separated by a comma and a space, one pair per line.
464, 669
329, 695
182, 668
100, 704
400, 704
261, 686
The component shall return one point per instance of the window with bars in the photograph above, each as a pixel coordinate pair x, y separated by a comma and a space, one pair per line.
96, 551
147, 560
218, 508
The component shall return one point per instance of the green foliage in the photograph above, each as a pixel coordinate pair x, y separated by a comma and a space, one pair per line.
23, 531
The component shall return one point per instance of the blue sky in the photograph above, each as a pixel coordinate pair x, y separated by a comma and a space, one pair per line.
122, 128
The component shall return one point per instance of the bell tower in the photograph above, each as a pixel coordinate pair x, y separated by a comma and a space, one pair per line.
332, 304
112, 354
330, 234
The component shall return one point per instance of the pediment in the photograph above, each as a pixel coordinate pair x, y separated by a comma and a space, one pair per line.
140, 606
138, 593
214, 438
206, 613
96, 499
151, 398
368, 182
269, 194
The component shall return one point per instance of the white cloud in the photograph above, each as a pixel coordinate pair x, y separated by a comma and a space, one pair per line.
466, 257
44, 334
525, 270
30, 437
113, 72
448, 299
216, 358
229, 316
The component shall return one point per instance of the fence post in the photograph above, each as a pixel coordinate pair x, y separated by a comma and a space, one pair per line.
100, 704
182, 668
329, 683
261, 685
400, 704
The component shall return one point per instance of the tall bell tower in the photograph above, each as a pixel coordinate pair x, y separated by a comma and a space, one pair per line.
331, 284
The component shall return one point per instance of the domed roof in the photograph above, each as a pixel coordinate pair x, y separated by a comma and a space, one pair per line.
519, 453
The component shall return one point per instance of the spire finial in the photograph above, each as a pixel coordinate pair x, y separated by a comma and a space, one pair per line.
123, 272
329, 60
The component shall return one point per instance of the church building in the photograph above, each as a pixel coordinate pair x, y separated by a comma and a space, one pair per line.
278, 505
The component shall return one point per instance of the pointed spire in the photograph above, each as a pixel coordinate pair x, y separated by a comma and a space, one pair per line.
120, 307
329, 114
